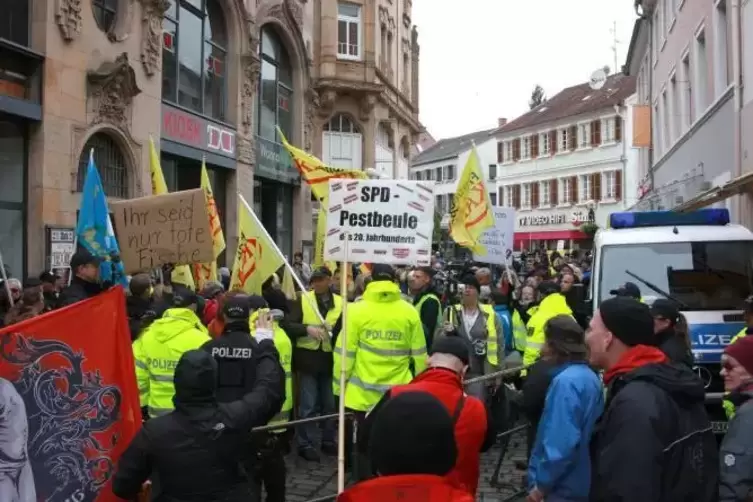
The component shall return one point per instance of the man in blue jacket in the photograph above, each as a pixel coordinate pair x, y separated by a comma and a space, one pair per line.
560, 466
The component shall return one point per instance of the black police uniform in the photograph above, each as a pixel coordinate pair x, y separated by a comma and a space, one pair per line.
238, 356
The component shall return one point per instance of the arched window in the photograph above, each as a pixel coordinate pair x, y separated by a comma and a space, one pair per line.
194, 55
110, 163
342, 142
105, 13
275, 96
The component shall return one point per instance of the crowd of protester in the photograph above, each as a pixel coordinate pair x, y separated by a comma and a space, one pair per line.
616, 411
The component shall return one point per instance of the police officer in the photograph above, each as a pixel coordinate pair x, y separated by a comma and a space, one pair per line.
238, 355
553, 303
157, 351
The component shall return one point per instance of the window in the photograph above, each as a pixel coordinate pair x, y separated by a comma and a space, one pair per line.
105, 13
657, 36
13, 197
721, 47
438, 174
14, 24
526, 201
701, 73
110, 163
429, 175
341, 142
564, 140
492, 172
608, 135
193, 66
584, 195
543, 144
509, 196
493, 198
545, 191
526, 150
666, 118
275, 96
687, 108
584, 135
610, 185
508, 151
674, 109
567, 191
702, 275
449, 173
349, 31
418, 175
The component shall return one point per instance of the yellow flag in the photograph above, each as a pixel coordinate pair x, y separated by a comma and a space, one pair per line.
315, 172
257, 257
288, 285
321, 230
471, 212
182, 273
205, 272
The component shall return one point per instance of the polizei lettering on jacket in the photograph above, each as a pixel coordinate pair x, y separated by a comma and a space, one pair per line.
378, 219
232, 352
161, 364
375, 334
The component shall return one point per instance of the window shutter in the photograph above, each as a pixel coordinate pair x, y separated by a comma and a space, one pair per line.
553, 142
572, 138
553, 192
574, 189
618, 185
596, 187
618, 129
516, 196
500, 152
501, 196
534, 194
534, 146
596, 132
516, 150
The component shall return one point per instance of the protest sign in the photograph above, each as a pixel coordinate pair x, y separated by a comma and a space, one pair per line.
385, 221
167, 228
70, 402
499, 239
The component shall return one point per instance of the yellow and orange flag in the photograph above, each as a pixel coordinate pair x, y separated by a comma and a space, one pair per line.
182, 273
205, 272
471, 212
257, 257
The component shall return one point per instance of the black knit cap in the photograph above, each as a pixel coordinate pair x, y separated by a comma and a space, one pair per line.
452, 345
413, 433
666, 309
628, 319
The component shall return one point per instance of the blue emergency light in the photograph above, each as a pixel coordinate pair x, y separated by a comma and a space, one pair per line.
643, 219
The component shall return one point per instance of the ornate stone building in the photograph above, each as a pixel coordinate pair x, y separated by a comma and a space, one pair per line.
205, 79
365, 84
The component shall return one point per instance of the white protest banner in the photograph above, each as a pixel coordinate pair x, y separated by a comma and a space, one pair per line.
498, 240
385, 221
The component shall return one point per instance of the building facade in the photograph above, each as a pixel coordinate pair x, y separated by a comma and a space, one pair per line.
690, 59
207, 80
365, 85
564, 159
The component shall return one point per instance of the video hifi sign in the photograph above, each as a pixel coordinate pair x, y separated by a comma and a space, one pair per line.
384, 221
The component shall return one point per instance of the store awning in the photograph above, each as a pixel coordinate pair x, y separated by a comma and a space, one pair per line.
717, 194
551, 235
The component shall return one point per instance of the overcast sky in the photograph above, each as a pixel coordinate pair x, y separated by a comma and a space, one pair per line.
480, 59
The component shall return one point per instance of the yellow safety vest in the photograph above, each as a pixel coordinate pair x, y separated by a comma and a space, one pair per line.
729, 408
285, 349
519, 331
308, 301
492, 342
156, 353
551, 306
384, 335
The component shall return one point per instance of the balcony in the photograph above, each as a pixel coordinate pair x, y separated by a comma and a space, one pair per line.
21, 73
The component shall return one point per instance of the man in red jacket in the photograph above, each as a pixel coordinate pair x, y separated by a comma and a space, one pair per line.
474, 431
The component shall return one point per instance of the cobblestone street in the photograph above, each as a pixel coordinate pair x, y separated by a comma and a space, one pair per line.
309, 481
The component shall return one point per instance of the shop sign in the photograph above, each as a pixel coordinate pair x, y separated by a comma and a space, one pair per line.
540, 220
191, 130
274, 162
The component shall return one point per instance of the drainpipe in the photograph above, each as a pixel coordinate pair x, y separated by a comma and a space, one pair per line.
737, 98
651, 42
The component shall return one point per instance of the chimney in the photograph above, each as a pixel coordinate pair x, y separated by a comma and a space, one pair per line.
501, 122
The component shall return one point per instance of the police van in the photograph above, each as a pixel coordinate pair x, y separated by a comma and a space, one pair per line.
698, 259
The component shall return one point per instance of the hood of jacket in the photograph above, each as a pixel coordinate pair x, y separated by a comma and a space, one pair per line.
677, 380
175, 322
382, 292
195, 383
555, 304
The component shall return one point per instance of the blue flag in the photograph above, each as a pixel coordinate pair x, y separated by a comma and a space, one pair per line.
94, 230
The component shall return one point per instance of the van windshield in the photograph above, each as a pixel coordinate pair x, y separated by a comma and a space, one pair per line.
702, 275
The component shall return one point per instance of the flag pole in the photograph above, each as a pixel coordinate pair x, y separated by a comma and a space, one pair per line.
5, 280
344, 272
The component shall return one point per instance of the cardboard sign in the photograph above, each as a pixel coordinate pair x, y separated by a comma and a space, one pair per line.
159, 229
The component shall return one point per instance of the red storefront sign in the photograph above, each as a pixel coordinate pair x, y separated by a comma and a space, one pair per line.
191, 130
